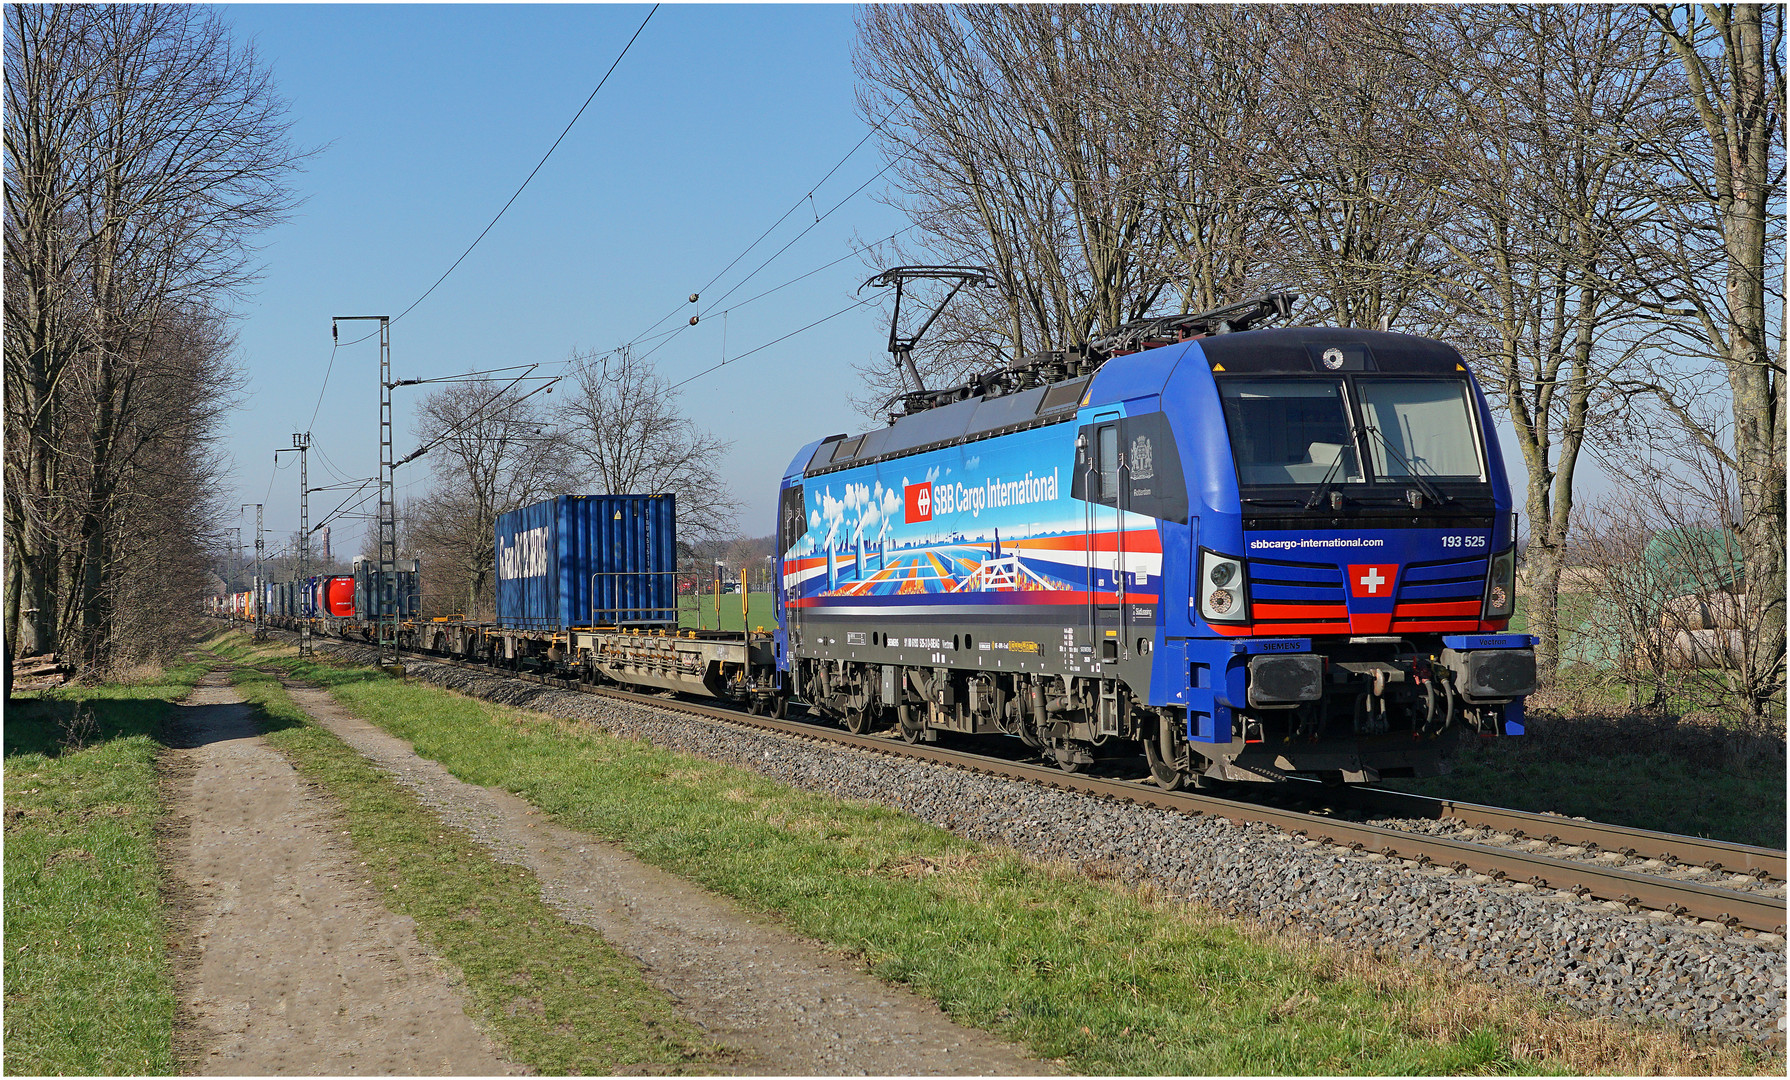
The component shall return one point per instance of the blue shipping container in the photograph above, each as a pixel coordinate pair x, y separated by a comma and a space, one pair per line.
588, 560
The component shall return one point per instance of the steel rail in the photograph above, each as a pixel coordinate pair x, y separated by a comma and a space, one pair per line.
1704, 902
1670, 847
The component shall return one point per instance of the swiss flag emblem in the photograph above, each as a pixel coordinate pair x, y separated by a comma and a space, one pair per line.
1374, 580
919, 502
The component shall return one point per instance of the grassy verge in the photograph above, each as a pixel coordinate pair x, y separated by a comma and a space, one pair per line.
561, 999
88, 989
1105, 978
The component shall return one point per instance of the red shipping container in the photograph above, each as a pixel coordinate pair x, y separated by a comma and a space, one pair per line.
339, 597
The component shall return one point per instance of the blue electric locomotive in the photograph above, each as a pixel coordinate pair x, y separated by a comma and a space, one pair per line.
1246, 553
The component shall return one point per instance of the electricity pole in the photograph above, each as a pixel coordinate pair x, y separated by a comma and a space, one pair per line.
384, 589
301, 442
236, 558
256, 597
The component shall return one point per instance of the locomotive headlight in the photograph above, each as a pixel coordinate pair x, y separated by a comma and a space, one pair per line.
1223, 588
1501, 585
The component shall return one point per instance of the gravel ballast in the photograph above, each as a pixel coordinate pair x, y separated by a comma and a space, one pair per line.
1607, 962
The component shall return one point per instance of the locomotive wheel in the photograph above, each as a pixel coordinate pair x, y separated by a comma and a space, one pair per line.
857, 721
911, 727
754, 705
780, 706
1065, 761
1167, 776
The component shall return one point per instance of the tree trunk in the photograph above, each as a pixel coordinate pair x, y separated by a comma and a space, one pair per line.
1759, 459
1542, 604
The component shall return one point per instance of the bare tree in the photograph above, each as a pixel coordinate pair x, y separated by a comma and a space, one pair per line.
1013, 133
1541, 116
1359, 220
1718, 265
492, 453
623, 430
144, 149
1203, 85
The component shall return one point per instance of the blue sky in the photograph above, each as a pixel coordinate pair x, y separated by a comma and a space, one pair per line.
429, 116
718, 120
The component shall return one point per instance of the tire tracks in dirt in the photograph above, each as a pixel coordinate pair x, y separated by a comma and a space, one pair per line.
285, 961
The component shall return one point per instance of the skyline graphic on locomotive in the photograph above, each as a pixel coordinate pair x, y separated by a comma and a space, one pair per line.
1257, 553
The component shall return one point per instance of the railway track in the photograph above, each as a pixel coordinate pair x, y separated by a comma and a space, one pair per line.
1559, 865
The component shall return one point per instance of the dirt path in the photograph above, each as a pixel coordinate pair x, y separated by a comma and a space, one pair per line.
289, 963
793, 1007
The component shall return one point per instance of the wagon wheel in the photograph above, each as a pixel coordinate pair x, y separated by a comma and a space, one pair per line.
911, 728
780, 706
755, 705
1167, 775
858, 721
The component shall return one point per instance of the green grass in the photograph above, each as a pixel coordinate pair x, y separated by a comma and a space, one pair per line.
1096, 975
88, 989
561, 999
698, 612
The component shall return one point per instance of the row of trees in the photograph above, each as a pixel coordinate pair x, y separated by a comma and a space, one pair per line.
1588, 199
144, 149
616, 428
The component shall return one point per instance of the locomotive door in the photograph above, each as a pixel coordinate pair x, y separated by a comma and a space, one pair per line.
1106, 540
792, 524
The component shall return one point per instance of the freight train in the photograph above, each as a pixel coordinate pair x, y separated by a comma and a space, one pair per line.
1238, 554
343, 605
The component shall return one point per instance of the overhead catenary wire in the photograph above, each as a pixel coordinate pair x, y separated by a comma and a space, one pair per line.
807, 198
805, 231
344, 507
531, 175
476, 414
325, 387
334, 470
827, 318
852, 254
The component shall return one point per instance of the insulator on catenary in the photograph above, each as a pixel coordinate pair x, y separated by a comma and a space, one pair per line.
694, 319
695, 297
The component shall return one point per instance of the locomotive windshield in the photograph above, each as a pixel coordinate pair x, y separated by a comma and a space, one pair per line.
1420, 426
1287, 431
1299, 431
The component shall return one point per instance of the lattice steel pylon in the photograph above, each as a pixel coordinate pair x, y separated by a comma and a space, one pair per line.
236, 557
301, 443
383, 590
258, 598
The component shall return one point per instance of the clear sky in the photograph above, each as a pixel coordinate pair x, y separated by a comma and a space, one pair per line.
427, 117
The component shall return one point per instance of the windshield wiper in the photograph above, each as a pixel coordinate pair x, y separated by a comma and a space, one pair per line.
1410, 470
1318, 493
